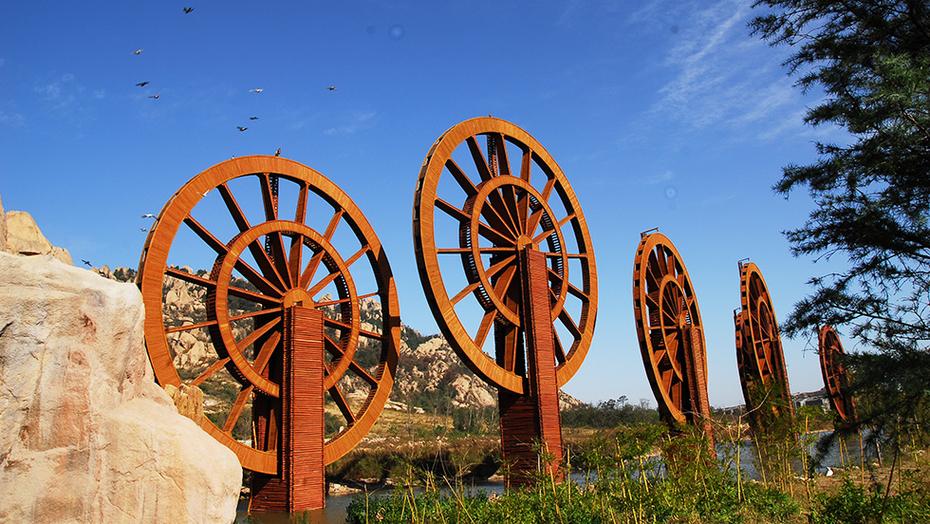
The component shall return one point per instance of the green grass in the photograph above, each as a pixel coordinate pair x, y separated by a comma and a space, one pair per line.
638, 474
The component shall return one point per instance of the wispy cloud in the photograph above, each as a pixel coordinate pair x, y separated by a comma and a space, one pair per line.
723, 77
660, 178
11, 119
359, 121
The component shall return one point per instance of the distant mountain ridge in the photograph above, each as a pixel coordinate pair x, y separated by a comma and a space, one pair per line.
430, 376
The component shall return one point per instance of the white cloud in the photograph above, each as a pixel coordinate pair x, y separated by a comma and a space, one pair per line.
660, 178
357, 122
724, 77
11, 119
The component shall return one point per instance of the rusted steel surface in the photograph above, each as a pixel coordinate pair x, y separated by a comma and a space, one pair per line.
518, 198
540, 353
269, 265
521, 240
835, 377
760, 357
670, 332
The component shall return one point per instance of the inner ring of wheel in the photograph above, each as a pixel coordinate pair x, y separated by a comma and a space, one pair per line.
765, 322
331, 260
670, 299
473, 207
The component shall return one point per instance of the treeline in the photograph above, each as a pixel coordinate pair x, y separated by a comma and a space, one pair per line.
609, 414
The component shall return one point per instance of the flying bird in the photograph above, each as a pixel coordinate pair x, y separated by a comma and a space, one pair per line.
148, 215
87, 263
256, 90
253, 118
241, 129
155, 97
137, 52
187, 10
331, 88
144, 229
277, 152
142, 84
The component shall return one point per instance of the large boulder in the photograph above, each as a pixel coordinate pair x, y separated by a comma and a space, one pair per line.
85, 433
24, 237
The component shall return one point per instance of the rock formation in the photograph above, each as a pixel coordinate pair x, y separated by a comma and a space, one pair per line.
22, 235
87, 435
2, 228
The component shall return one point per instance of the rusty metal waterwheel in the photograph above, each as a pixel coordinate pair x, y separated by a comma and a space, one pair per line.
670, 331
760, 356
513, 198
835, 377
261, 268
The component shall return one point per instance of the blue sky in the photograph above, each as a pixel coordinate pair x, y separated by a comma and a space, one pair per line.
662, 113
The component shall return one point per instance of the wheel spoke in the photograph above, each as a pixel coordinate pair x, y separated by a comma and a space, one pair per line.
347, 299
255, 334
188, 327
294, 261
319, 286
207, 373
210, 284
236, 410
265, 353
315, 260
497, 205
247, 271
502, 286
534, 218
208, 238
570, 324
484, 328
468, 250
257, 279
559, 350
258, 253
467, 290
464, 182
342, 404
300, 216
342, 325
488, 232
574, 290
275, 239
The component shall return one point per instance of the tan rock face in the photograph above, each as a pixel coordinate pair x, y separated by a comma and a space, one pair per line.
24, 237
2, 228
87, 436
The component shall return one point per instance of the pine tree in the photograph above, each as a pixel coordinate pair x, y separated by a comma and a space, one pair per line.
871, 58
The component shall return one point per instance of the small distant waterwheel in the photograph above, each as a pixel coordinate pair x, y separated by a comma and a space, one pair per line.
760, 356
671, 334
501, 242
269, 269
835, 378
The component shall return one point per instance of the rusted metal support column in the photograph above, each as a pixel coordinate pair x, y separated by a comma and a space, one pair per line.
301, 483
697, 385
533, 419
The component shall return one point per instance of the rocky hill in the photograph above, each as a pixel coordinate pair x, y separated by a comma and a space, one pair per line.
430, 376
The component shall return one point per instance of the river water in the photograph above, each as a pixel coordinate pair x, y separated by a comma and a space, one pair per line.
336, 505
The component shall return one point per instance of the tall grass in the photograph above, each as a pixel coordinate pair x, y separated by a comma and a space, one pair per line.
639, 474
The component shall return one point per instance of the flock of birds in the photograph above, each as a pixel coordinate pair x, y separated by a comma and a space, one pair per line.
255, 90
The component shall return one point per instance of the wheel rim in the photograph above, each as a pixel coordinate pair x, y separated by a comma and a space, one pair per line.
498, 211
762, 354
665, 309
835, 377
282, 279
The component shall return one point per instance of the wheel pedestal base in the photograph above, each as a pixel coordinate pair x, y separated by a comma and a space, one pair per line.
300, 483
531, 428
